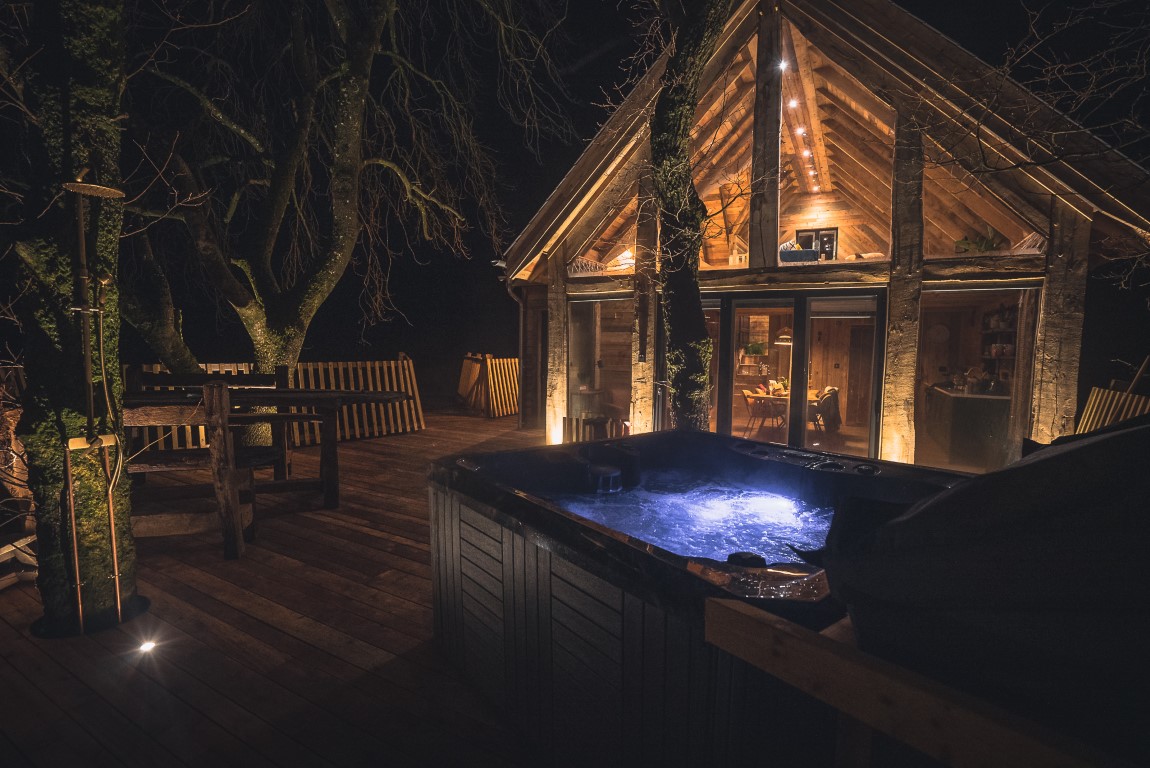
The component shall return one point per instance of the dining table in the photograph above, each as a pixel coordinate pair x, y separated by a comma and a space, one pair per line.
322, 405
769, 400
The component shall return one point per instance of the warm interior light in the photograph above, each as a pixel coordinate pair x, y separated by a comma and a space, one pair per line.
147, 646
624, 260
806, 153
801, 131
783, 65
784, 338
810, 173
793, 103
817, 188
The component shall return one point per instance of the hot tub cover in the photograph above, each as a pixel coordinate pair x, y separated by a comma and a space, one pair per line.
1026, 585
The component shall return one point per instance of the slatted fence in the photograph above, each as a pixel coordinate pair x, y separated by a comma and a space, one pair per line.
367, 419
1108, 406
490, 384
356, 421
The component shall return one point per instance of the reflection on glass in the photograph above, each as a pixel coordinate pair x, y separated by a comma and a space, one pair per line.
762, 368
972, 397
599, 359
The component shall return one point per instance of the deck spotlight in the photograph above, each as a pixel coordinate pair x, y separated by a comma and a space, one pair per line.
147, 646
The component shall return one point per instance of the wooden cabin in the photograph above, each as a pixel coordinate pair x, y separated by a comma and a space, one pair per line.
891, 220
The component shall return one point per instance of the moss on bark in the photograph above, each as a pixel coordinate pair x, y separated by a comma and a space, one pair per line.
75, 91
682, 214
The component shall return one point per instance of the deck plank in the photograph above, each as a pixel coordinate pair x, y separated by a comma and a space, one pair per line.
314, 649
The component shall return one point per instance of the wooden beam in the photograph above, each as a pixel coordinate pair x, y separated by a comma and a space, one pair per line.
1058, 345
946, 725
852, 90
722, 166
900, 376
798, 51
557, 341
839, 274
732, 97
855, 43
643, 353
1016, 267
765, 160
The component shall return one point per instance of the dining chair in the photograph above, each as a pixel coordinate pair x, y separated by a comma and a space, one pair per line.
754, 409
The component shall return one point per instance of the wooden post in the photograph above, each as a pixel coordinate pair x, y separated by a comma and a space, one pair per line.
224, 474
556, 346
900, 375
282, 467
646, 304
1058, 345
764, 234
329, 456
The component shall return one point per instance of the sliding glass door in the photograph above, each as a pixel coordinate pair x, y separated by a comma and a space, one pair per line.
840, 388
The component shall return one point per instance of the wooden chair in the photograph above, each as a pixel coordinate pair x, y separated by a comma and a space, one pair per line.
231, 485
755, 409
824, 414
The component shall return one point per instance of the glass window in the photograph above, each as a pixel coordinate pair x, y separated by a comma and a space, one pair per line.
840, 385
599, 359
973, 396
836, 156
762, 372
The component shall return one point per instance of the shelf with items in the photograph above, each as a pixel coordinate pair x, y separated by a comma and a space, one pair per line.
998, 341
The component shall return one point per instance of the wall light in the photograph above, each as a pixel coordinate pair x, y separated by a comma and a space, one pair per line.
793, 103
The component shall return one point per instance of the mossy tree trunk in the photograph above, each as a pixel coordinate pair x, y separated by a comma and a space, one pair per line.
74, 91
696, 28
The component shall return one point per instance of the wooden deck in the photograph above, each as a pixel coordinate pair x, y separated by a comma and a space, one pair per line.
314, 650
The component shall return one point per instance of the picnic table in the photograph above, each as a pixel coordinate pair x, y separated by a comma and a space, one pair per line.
324, 405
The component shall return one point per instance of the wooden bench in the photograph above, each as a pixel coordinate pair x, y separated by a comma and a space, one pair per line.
180, 438
231, 485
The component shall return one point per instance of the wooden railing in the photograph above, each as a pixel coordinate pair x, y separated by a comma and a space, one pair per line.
490, 384
579, 430
949, 726
356, 421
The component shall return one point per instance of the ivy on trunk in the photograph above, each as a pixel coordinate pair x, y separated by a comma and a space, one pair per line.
695, 28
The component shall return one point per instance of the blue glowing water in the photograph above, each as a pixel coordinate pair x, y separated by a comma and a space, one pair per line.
696, 516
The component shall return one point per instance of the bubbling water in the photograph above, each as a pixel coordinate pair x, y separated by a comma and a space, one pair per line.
695, 516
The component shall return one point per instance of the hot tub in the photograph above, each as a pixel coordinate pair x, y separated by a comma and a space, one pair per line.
591, 634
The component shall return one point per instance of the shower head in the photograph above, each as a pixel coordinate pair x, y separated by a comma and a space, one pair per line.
80, 187
93, 190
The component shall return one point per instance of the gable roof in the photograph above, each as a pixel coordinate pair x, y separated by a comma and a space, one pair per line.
873, 55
